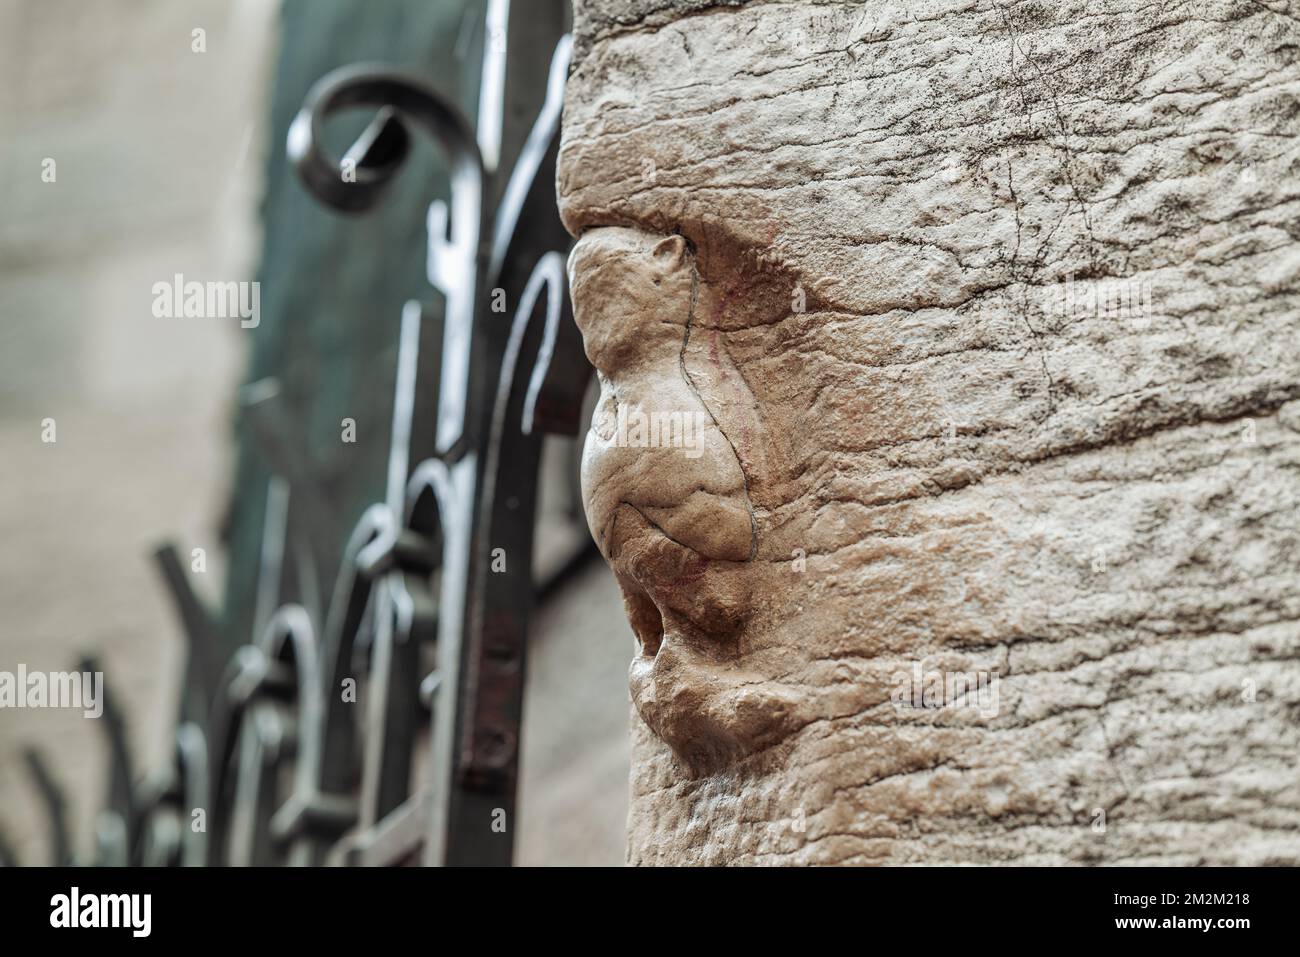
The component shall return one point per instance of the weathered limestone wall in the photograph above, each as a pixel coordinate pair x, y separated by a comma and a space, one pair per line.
994, 311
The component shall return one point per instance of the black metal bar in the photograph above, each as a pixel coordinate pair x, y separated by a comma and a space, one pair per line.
56, 807
202, 669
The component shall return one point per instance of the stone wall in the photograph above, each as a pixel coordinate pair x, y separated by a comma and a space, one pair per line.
994, 306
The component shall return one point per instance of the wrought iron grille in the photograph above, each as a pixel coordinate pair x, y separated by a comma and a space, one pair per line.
275, 757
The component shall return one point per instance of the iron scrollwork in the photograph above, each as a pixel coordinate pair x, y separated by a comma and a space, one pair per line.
266, 747
499, 388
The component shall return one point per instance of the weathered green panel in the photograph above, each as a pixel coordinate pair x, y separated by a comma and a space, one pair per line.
333, 286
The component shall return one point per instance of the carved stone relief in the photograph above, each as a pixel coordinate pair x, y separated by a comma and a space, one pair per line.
948, 445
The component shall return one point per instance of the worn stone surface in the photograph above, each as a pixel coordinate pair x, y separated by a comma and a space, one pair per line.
992, 309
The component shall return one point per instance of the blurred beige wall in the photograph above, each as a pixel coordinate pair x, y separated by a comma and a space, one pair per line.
158, 162
575, 754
